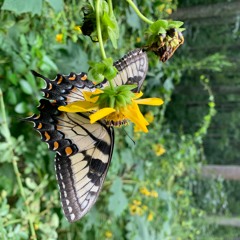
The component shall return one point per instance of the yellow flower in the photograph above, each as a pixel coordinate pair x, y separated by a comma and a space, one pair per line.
144, 207
114, 106
180, 192
150, 217
108, 234
154, 194
159, 149
149, 116
145, 191
77, 28
136, 208
137, 129
137, 202
168, 11
59, 37
138, 40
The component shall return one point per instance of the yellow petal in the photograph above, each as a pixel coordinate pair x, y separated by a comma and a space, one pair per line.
133, 113
150, 101
89, 96
137, 95
79, 106
100, 114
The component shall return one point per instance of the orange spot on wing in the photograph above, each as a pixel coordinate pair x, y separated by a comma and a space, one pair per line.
50, 86
84, 77
68, 151
72, 78
47, 136
39, 126
59, 127
55, 145
59, 80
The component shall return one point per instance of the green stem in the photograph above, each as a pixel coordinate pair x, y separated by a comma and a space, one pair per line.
110, 7
13, 222
138, 12
14, 158
99, 33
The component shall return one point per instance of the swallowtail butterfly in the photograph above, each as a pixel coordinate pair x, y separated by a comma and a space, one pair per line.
83, 150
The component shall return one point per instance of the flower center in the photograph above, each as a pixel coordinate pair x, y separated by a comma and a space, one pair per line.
116, 119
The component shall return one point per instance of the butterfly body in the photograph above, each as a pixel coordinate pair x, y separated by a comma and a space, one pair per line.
83, 150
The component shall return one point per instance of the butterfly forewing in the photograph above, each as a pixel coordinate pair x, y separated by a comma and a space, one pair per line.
83, 150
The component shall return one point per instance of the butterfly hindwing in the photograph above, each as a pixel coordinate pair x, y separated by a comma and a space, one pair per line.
132, 69
83, 150
83, 153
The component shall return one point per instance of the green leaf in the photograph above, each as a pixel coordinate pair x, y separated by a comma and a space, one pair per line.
168, 84
11, 96
159, 27
57, 5
54, 220
94, 76
26, 87
117, 201
30, 184
6, 156
133, 20
21, 107
110, 26
4, 146
126, 156
23, 6
175, 24
113, 37
48, 64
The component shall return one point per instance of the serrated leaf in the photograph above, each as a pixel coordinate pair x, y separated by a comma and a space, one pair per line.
23, 6
117, 201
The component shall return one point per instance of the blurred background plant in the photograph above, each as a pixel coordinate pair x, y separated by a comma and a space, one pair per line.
155, 188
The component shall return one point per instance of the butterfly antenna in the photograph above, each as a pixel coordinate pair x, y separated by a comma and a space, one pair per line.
128, 136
